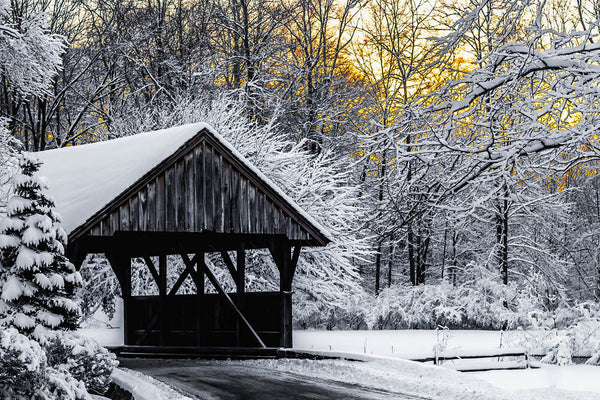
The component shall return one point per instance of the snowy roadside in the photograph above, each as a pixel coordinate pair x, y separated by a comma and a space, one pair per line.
144, 387
413, 379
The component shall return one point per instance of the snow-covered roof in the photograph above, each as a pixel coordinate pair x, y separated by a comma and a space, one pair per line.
84, 179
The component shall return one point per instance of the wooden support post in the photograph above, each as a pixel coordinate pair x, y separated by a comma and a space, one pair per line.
162, 298
285, 286
280, 250
240, 290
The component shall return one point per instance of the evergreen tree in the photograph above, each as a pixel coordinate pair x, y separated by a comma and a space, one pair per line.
36, 279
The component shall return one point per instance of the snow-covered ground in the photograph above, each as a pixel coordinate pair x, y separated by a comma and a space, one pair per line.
577, 382
144, 387
548, 379
426, 381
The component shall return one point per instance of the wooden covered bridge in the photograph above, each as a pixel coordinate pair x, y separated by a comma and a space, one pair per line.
182, 191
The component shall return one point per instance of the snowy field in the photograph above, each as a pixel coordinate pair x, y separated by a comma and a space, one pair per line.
402, 343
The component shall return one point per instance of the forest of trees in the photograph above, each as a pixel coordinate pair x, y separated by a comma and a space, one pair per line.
450, 142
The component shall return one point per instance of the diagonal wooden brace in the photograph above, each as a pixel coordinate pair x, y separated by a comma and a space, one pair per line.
189, 270
224, 295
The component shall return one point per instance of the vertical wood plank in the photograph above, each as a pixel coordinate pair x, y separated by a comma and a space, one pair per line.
160, 204
291, 228
283, 222
235, 200
114, 221
268, 216
189, 191
143, 209
243, 196
274, 217
180, 217
170, 203
226, 196
208, 187
133, 214
105, 226
151, 224
253, 213
124, 217
218, 192
260, 213
199, 185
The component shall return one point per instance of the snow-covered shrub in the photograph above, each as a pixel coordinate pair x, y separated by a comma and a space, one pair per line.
558, 350
82, 358
22, 365
581, 338
423, 306
595, 358
62, 385
337, 318
26, 374
480, 301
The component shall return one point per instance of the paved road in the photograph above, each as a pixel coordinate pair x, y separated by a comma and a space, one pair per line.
202, 379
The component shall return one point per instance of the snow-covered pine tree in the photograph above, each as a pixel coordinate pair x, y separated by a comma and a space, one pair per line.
36, 279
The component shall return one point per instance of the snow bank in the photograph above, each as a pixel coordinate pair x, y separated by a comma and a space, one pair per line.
576, 378
424, 381
144, 387
398, 376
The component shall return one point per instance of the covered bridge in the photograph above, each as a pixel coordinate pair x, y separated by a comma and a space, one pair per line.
182, 191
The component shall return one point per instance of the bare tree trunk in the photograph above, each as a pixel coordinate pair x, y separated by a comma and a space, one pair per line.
502, 237
377, 268
411, 256
444, 248
391, 260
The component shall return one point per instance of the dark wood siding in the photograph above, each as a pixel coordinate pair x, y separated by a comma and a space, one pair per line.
201, 191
